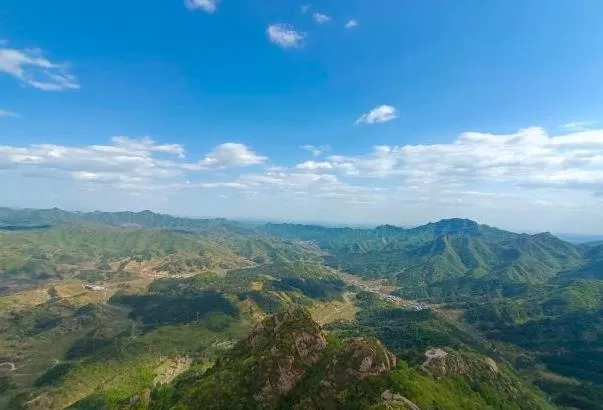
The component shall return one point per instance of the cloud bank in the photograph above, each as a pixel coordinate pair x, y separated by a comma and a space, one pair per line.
502, 179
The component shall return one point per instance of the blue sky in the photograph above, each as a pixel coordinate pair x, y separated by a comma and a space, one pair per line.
409, 111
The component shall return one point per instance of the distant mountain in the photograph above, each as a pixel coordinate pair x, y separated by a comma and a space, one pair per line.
459, 226
144, 219
450, 258
445, 258
91, 251
179, 293
581, 238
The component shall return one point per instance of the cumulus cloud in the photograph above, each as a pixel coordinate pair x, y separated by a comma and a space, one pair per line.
351, 23
4, 113
383, 161
295, 180
380, 114
231, 155
30, 67
126, 163
527, 174
320, 18
147, 144
315, 166
208, 6
317, 150
285, 36
529, 157
313, 188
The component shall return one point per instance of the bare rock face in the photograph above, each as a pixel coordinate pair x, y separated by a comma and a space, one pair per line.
293, 342
294, 325
284, 352
358, 359
440, 363
309, 346
492, 364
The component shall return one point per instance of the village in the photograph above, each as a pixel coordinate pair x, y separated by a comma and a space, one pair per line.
376, 288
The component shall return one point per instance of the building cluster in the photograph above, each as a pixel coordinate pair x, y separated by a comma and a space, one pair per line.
94, 287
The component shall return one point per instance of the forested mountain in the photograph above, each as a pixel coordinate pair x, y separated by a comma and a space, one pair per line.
142, 310
450, 258
288, 363
25, 218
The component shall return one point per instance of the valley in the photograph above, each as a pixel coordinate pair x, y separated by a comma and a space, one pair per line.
106, 310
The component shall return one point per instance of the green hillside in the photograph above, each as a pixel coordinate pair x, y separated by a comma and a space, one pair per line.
89, 251
174, 295
287, 362
451, 258
559, 326
24, 218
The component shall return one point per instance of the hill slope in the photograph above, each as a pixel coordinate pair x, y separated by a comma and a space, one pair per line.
455, 257
287, 362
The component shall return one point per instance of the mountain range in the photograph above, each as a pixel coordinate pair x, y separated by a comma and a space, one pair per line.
185, 306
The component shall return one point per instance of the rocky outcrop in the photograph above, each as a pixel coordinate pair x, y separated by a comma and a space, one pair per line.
355, 360
289, 343
285, 358
441, 363
358, 359
396, 401
492, 364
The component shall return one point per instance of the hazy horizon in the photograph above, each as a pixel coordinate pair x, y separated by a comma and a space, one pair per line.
576, 237
389, 112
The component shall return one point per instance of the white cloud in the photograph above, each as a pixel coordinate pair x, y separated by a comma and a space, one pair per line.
380, 114
31, 68
231, 155
4, 113
526, 179
147, 143
126, 163
314, 166
208, 6
310, 188
317, 150
305, 8
578, 125
321, 18
285, 36
351, 23
295, 180
234, 185
529, 157
381, 162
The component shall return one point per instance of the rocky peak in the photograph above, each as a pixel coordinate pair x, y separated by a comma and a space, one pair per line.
284, 345
293, 331
358, 359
